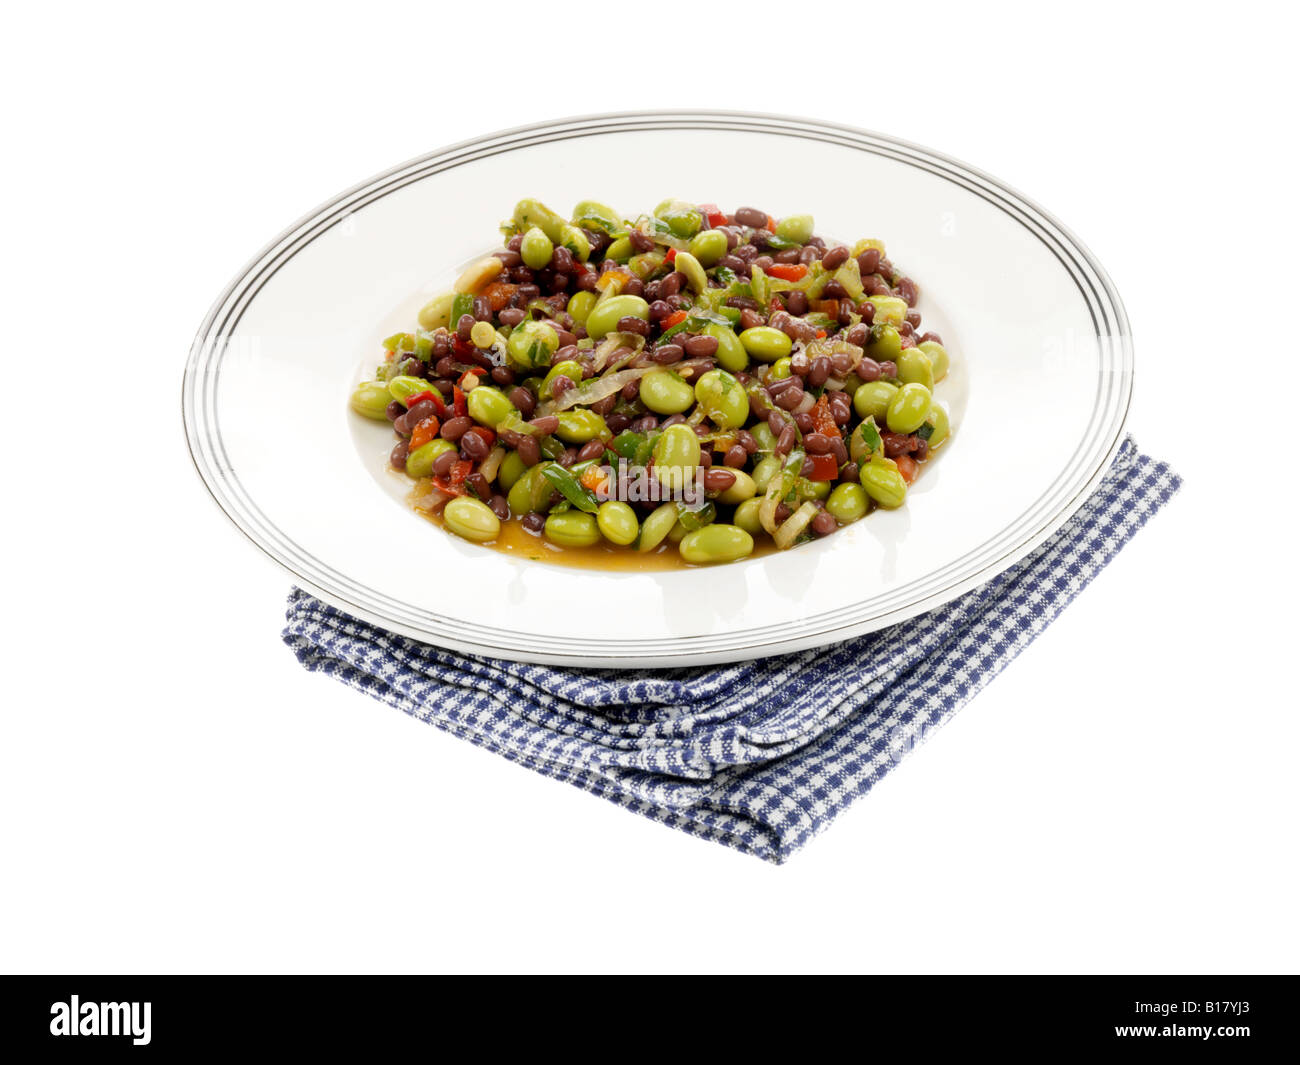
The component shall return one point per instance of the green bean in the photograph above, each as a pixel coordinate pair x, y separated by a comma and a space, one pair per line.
437, 312
576, 241
573, 528
884, 344
796, 227
536, 249
764, 471
617, 522
872, 399
580, 305
938, 358
531, 492
689, 267
742, 488
908, 409
746, 516
657, 525
419, 463
570, 368
605, 316
883, 483
765, 343
723, 399
716, 543
663, 392
708, 247
577, 426
489, 406
529, 213
937, 419
371, 398
531, 346
677, 452
847, 502
731, 352
472, 519
914, 366
512, 468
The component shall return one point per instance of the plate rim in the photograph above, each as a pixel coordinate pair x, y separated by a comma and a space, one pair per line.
1093, 455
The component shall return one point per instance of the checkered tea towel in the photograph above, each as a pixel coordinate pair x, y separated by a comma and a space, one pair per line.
759, 755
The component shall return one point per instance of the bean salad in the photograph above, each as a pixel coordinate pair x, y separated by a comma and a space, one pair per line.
685, 378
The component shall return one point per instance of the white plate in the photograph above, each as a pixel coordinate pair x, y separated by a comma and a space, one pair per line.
1039, 390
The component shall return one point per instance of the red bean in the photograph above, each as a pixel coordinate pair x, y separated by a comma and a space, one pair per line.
665, 354
397, 457
463, 327
785, 441
868, 370
746, 440
908, 290
824, 523
592, 449
791, 397
616, 423
671, 285
548, 423
455, 428
499, 506
533, 522
819, 372
817, 444
702, 346
804, 420
857, 335
522, 399
474, 442
749, 319
736, 457
529, 450
633, 324
752, 217
443, 463
718, 479
869, 261
835, 258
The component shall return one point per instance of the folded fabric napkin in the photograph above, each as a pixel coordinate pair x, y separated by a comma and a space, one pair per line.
759, 755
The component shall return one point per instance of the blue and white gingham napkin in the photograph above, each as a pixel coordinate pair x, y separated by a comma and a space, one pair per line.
760, 755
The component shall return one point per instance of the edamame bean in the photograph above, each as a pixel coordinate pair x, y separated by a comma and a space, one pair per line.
937, 419
708, 247
731, 354
591, 214
489, 406
419, 463
658, 524
938, 358
766, 469
478, 274
617, 522
663, 392
683, 218
604, 317
780, 369
403, 387
536, 249
847, 502
531, 492
908, 408
796, 227
716, 543
746, 516
689, 267
872, 399
512, 468
576, 241
472, 519
580, 305
573, 528
570, 368
722, 398
529, 213
620, 250
371, 399
742, 488
677, 452
814, 489
883, 483
884, 344
764, 343
437, 312
763, 436
531, 346
579, 426
914, 367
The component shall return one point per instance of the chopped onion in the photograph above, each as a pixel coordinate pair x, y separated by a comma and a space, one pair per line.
806, 404
492, 463
794, 525
424, 496
771, 500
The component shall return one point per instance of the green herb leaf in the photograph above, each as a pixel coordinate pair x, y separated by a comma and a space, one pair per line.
570, 488
870, 434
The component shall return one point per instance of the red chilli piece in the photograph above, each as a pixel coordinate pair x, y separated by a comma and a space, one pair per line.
713, 214
824, 468
458, 402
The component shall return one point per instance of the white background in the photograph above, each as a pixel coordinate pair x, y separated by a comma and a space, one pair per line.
176, 794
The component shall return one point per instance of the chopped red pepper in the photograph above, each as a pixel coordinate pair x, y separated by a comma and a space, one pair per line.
425, 431
823, 419
433, 396
787, 271
672, 254
458, 402
713, 214
771, 223
821, 334
824, 468
676, 318
907, 467
454, 484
